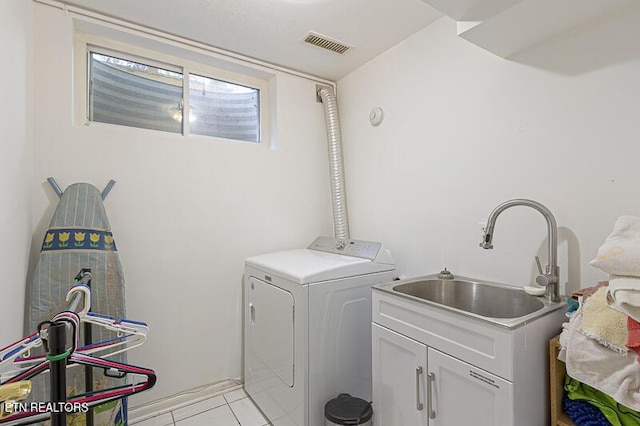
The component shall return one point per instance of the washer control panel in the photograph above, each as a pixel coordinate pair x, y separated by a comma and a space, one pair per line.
347, 247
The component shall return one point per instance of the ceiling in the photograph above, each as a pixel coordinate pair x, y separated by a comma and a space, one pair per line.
273, 30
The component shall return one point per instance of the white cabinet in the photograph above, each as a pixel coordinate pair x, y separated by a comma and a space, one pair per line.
465, 395
418, 385
436, 367
399, 365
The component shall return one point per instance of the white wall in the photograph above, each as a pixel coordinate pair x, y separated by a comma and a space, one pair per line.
466, 130
185, 212
16, 162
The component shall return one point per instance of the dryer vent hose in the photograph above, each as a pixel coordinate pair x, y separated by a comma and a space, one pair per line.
334, 140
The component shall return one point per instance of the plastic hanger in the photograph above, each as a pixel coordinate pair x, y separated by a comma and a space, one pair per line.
18, 353
129, 334
107, 348
90, 399
86, 300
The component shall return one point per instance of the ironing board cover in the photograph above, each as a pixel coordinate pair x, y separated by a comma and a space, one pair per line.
79, 236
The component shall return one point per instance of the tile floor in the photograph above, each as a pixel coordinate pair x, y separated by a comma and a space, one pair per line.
229, 409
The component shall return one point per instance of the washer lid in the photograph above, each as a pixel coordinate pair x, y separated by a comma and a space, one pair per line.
304, 266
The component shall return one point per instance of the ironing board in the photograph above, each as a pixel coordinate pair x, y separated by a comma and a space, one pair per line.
79, 236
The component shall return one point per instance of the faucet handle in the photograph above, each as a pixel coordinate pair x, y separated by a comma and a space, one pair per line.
544, 279
541, 279
539, 266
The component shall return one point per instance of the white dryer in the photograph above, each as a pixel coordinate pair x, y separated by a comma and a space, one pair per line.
307, 326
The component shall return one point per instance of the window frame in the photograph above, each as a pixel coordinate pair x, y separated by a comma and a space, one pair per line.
87, 43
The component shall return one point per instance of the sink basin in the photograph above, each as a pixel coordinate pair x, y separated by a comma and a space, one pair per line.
479, 298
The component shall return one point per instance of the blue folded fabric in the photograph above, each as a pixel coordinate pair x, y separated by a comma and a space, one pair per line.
583, 413
572, 305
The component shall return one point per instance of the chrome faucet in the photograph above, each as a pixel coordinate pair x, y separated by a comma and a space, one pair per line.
551, 277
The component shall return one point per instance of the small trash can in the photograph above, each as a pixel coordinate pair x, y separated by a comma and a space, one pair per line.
348, 410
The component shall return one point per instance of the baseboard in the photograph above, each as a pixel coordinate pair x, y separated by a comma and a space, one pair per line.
155, 408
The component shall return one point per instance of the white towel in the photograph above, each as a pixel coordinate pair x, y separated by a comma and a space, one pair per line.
623, 295
620, 253
564, 340
611, 372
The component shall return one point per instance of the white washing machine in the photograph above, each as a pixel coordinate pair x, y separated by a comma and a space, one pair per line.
307, 326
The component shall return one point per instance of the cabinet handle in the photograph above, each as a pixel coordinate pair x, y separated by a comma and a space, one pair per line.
252, 314
431, 378
419, 404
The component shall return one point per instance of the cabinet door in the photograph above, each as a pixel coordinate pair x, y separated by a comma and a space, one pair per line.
462, 394
399, 366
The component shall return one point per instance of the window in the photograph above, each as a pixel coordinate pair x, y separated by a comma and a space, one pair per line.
134, 94
222, 109
177, 97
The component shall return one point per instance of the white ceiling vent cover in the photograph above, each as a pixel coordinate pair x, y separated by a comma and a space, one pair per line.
326, 43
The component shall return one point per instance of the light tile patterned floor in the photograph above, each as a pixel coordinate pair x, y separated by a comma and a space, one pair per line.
229, 409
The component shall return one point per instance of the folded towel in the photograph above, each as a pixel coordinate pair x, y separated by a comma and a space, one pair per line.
583, 413
586, 292
613, 373
633, 341
611, 411
623, 295
603, 324
564, 340
620, 253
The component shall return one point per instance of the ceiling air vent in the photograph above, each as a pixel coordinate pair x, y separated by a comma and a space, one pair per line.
327, 43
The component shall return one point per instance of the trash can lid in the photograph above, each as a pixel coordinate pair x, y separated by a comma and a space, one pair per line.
348, 410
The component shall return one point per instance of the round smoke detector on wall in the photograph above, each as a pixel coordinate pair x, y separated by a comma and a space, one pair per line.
376, 116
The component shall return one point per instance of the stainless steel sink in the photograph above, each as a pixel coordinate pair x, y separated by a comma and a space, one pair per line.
474, 297
500, 304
